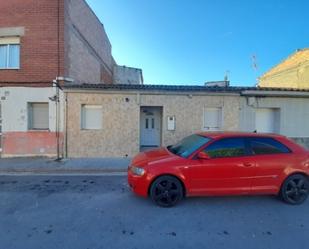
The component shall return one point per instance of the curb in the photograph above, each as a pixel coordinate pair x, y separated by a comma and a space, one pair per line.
63, 172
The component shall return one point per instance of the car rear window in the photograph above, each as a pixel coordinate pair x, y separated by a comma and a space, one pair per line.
265, 145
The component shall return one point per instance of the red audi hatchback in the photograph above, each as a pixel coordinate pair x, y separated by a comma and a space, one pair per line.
222, 163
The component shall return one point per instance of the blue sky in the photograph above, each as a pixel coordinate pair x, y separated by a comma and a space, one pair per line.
191, 42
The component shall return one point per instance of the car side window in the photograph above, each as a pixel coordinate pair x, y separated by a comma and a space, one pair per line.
265, 145
226, 147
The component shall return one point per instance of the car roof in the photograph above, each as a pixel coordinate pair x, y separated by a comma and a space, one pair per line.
223, 134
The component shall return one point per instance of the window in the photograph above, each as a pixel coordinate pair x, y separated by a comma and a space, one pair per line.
146, 123
262, 146
227, 147
213, 118
91, 117
9, 53
38, 116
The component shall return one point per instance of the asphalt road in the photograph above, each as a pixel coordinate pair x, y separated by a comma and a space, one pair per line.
92, 212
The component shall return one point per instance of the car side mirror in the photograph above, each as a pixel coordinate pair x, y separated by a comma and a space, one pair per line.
203, 155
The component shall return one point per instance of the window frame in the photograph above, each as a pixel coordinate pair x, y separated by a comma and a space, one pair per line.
7, 46
250, 139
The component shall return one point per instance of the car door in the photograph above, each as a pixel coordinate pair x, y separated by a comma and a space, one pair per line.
229, 170
271, 158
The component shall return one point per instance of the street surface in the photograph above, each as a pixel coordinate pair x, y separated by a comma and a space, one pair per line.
92, 212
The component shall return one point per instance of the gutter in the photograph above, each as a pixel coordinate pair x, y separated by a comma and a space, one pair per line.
262, 93
150, 92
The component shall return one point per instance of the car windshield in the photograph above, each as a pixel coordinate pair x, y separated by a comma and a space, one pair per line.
188, 145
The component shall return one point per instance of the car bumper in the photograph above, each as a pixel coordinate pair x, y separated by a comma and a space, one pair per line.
138, 184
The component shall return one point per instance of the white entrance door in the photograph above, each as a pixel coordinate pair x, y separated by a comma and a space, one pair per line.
150, 126
265, 120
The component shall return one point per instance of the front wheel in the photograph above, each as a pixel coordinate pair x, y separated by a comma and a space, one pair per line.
166, 191
295, 189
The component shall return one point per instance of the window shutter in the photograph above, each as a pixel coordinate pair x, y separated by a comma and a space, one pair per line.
91, 117
9, 40
213, 118
39, 116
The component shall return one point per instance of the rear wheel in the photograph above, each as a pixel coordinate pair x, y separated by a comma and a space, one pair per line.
295, 189
166, 191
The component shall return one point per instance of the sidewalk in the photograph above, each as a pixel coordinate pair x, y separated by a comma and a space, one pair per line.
65, 166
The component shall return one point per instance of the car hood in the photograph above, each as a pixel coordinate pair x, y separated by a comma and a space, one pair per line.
152, 156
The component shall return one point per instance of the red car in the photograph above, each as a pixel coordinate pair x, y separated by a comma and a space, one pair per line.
222, 163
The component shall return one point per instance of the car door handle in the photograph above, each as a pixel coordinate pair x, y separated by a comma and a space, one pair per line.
247, 164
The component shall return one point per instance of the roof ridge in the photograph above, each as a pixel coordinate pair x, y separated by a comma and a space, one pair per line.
236, 89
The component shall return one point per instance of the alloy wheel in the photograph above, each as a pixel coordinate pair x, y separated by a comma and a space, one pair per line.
166, 191
296, 189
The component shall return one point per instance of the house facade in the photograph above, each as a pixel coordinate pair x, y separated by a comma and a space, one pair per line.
43, 45
121, 120
62, 93
293, 72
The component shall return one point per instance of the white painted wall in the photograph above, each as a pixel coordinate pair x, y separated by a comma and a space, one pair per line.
127, 75
293, 119
14, 105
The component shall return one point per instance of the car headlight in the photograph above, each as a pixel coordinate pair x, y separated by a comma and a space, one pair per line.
137, 171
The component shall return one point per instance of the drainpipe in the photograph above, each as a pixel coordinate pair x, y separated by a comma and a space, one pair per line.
66, 125
57, 83
56, 98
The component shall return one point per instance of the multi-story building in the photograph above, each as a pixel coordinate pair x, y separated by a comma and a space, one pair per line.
62, 93
41, 42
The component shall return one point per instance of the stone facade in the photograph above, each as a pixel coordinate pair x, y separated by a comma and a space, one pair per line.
119, 136
123, 113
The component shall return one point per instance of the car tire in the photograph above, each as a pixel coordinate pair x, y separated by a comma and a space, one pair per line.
295, 189
166, 191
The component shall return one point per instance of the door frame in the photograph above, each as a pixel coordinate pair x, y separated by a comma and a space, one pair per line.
160, 109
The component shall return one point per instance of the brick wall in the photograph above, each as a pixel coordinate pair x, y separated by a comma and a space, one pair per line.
87, 47
39, 62
79, 49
